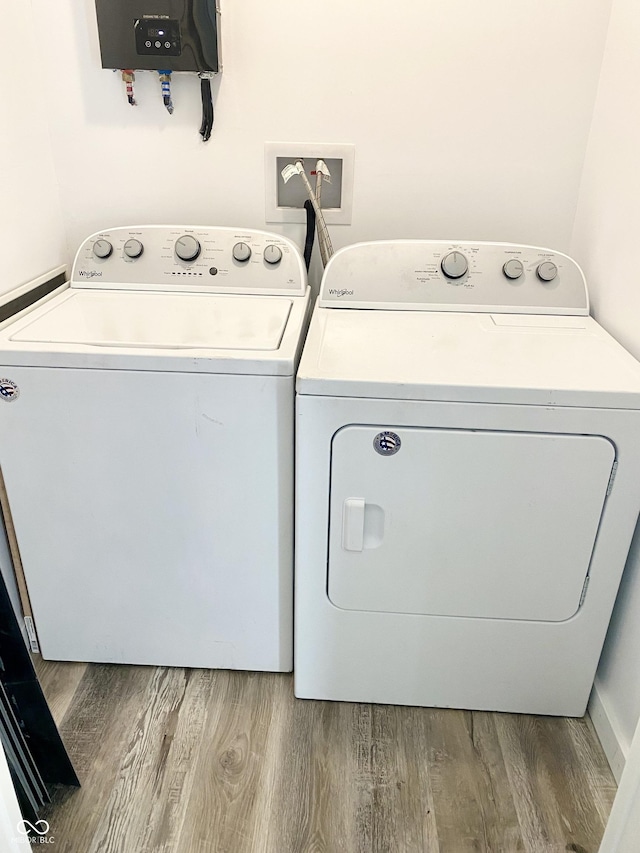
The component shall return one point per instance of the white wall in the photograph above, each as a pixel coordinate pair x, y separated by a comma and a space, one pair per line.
11, 841
469, 119
605, 242
31, 228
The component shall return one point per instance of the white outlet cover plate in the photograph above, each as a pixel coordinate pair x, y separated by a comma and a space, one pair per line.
308, 150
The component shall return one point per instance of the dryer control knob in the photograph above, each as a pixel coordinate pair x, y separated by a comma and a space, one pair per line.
454, 265
513, 268
187, 248
102, 248
241, 252
272, 254
133, 248
547, 271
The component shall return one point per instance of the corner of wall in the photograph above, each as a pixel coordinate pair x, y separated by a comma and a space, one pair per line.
609, 731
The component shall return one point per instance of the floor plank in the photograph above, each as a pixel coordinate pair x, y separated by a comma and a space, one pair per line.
201, 761
473, 801
221, 810
106, 708
59, 682
549, 783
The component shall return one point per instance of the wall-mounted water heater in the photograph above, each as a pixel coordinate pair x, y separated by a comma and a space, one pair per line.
163, 36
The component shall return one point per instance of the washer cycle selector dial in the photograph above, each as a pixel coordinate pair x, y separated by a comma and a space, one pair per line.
513, 268
102, 248
547, 271
133, 248
454, 265
272, 254
241, 252
187, 248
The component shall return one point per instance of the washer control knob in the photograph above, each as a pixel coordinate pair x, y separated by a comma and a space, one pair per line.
133, 248
102, 248
547, 271
187, 248
272, 254
513, 268
454, 265
241, 252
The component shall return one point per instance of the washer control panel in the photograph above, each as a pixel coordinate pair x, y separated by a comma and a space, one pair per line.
430, 275
179, 258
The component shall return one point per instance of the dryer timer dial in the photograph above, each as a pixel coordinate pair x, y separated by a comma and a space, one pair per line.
454, 265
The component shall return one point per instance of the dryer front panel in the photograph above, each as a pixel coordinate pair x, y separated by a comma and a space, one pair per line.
473, 523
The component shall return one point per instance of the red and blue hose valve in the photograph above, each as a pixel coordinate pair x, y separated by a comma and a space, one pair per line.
165, 82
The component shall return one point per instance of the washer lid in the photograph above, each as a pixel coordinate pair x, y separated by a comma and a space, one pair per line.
160, 321
128, 330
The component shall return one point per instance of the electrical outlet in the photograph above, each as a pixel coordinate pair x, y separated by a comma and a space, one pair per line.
285, 202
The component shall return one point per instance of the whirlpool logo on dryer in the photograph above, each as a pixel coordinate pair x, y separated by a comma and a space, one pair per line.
89, 273
339, 293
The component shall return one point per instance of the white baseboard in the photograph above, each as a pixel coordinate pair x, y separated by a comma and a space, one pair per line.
607, 728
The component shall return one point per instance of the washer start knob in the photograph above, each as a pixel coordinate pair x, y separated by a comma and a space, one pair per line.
454, 265
272, 254
547, 271
102, 248
133, 248
187, 248
241, 252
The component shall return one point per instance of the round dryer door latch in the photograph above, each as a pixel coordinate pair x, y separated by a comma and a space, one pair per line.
387, 443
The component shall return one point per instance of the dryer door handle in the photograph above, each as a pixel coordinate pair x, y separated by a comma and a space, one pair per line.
353, 524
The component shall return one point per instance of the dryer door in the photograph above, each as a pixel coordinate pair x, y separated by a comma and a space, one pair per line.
497, 525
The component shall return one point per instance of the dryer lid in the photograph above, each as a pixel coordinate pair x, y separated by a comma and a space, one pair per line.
484, 358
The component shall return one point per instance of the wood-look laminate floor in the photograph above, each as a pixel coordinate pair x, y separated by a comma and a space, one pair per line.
200, 761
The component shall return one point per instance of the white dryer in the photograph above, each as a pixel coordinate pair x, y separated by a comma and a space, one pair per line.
467, 479
146, 443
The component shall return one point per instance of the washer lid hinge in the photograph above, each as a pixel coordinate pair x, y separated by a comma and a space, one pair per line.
612, 477
584, 591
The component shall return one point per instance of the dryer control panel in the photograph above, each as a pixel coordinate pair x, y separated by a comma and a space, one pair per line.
430, 275
197, 259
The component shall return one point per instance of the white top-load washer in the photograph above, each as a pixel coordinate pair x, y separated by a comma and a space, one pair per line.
146, 444
467, 479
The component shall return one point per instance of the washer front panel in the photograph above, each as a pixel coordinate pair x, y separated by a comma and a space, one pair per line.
268, 264
475, 523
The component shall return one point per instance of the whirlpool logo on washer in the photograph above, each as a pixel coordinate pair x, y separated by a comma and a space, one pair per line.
387, 443
339, 293
90, 273
8, 390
